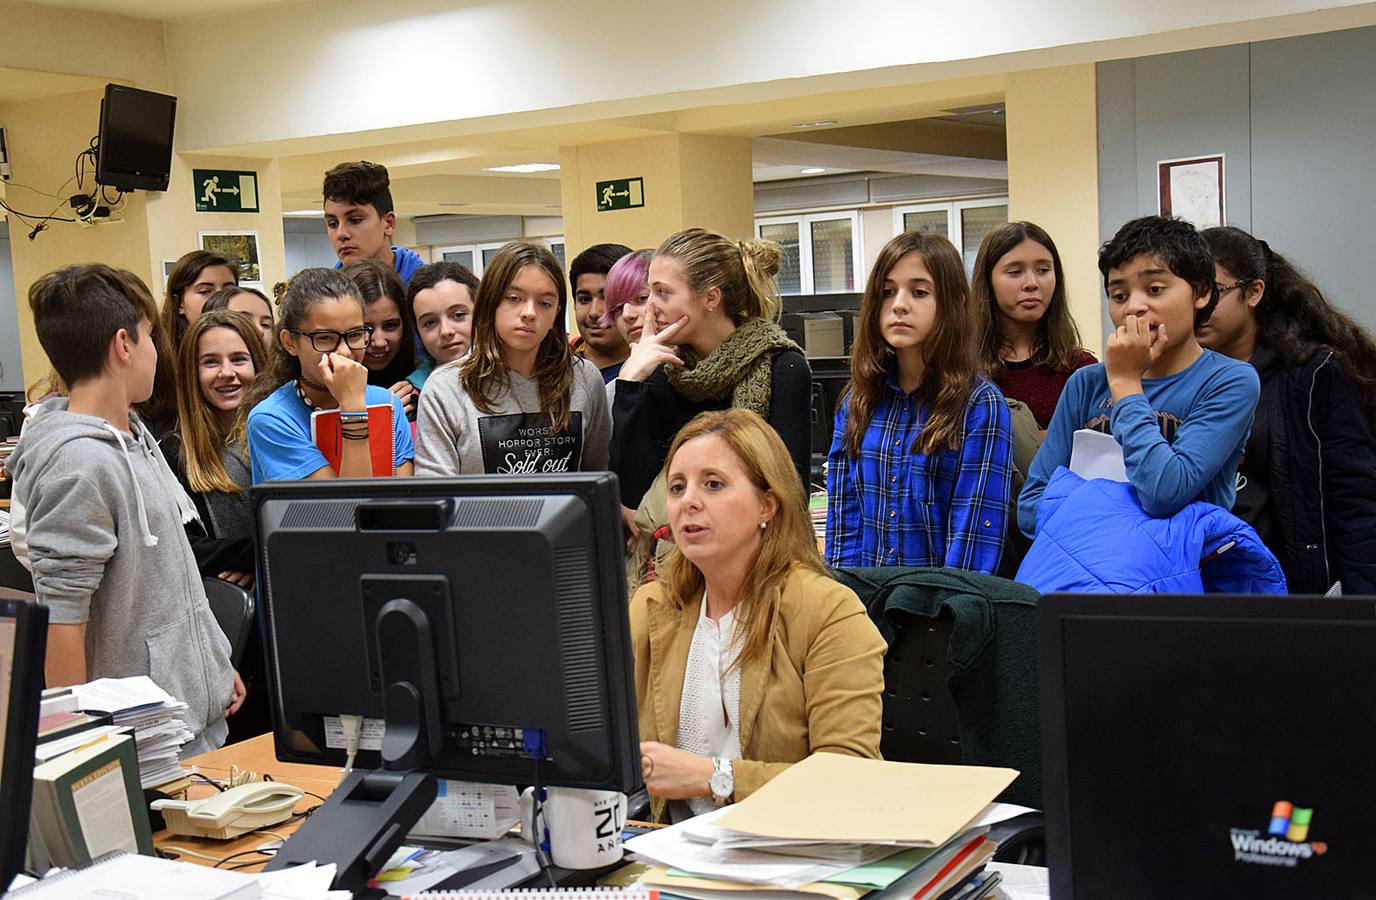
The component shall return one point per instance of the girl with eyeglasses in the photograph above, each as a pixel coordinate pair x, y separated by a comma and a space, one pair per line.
323, 339
519, 402
1307, 479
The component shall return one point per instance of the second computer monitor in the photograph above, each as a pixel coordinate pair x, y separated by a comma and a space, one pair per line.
506, 596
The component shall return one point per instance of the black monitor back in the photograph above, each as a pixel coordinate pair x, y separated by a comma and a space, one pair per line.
523, 579
1173, 726
23, 641
135, 144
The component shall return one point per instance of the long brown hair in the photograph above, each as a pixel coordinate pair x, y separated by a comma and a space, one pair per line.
743, 270
203, 437
376, 281
949, 356
184, 275
1058, 340
1294, 318
787, 543
484, 369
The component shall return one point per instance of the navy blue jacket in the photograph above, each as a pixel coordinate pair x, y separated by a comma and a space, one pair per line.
1322, 474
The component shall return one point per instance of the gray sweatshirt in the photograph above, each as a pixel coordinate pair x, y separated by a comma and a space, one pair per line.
454, 438
103, 534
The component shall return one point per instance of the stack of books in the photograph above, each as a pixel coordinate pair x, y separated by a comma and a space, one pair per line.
842, 828
155, 717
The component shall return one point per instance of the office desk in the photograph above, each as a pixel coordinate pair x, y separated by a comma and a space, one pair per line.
257, 755
254, 755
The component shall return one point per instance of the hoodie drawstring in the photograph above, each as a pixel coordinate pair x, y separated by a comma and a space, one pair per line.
149, 538
185, 506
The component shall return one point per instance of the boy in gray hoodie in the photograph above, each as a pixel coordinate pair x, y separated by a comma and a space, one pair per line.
102, 514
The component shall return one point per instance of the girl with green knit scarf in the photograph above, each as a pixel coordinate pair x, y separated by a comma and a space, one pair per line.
710, 341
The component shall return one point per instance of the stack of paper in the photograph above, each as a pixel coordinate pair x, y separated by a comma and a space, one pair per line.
817, 510
156, 717
135, 877
837, 826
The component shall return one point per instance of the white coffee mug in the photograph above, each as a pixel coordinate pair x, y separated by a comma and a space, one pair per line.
581, 828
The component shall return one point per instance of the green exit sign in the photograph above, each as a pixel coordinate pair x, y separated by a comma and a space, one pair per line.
620, 193
225, 190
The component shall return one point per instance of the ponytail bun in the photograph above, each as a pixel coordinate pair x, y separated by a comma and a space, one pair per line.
766, 257
762, 261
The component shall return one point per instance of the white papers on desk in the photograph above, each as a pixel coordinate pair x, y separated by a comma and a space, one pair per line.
158, 720
138, 877
678, 848
1094, 454
1023, 882
304, 882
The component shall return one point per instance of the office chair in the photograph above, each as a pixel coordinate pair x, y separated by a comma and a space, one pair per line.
920, 724
985, 679
233, 609
12, 572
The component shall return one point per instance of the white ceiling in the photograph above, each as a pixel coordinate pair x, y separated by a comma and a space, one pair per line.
162, 10
778, 158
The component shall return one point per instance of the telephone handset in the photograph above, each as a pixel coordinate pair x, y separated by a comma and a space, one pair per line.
230, 813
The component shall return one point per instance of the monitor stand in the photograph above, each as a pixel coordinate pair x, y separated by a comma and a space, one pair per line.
369, 815
362, 824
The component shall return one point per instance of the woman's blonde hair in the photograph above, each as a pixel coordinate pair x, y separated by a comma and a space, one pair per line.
743, 270
203, 437
787, 542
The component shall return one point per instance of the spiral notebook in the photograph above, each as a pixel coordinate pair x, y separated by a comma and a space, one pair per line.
135, 877
537, 893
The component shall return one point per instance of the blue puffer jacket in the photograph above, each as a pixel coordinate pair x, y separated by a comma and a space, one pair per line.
1094, 538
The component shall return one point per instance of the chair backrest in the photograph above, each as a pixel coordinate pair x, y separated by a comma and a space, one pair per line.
920, 721
232, 607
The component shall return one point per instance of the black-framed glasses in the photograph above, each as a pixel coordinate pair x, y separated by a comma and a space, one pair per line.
1237, 285
327, 340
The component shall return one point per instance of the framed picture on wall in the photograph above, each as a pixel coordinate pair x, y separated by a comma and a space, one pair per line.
1192, 189
239, 247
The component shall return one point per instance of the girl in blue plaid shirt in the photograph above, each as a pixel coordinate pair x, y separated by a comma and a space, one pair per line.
921, 456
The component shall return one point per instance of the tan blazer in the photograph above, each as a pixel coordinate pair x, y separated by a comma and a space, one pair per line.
822, 676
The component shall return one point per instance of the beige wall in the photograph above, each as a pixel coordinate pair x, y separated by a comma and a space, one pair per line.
688, 179
174, 226
1053, 177
81, 42
44, 137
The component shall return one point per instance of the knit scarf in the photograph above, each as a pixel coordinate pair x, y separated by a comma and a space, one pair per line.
740, 366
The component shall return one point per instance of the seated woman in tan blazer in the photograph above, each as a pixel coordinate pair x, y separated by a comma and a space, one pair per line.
748, 657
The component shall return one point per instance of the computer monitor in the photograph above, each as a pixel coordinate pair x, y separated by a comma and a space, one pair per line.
23, 640
134, 150
1208, 746
479, 625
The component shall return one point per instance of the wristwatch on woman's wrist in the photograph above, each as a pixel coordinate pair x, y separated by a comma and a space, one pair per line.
722, 782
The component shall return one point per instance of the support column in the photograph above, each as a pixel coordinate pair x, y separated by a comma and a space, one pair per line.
689, 180
1053, 178
44, 137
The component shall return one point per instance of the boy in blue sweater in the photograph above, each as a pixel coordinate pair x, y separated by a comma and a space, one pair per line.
1181, 413
360, 218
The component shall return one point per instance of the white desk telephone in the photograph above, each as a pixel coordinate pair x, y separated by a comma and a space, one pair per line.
230, 813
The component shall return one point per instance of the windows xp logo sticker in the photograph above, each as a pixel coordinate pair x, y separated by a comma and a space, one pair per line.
1284, 843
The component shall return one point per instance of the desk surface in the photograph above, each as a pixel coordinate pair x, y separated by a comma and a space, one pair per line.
254, 755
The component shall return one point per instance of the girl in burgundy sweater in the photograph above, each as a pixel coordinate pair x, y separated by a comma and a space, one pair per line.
1029, 343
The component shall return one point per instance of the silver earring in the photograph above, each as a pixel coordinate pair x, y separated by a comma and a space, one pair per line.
762, 525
